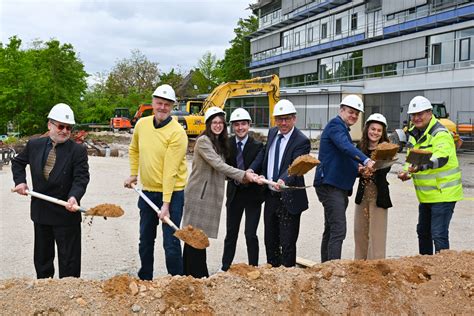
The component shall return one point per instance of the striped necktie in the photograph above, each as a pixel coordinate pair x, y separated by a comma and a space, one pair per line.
50, 161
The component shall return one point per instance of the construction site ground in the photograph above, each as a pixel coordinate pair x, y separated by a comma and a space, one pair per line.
405, 283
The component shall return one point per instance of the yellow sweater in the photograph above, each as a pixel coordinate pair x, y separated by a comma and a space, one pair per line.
159, 154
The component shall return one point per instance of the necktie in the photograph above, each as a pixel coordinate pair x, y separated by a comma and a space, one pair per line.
276, 164
240, 157
50, 161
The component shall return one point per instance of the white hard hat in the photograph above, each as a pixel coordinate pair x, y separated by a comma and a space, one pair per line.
165, 91
284, 107
213, 110
377, 117
419, 104
354, 102
62, 113
240, 114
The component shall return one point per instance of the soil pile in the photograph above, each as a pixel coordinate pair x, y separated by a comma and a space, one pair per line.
440, 284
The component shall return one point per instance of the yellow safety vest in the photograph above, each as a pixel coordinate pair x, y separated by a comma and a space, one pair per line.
439, 184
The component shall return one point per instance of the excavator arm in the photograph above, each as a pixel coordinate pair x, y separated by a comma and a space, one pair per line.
254, 86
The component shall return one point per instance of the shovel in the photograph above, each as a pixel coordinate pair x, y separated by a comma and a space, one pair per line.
196, 238
418, 157
284, 187
382, 164
105, 210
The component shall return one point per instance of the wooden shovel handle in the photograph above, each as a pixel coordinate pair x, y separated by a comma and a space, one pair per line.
166, 219
53, 200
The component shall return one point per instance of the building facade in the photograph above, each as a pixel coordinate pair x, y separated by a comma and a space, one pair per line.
388, 51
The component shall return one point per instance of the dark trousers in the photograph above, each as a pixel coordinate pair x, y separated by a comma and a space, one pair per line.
281, 232
234, 216
194, 262
68, 242
149, 221
433, 226
335, 203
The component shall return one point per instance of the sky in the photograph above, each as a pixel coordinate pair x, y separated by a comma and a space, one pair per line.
173, 33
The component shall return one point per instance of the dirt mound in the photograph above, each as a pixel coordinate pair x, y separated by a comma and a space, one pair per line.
440, 284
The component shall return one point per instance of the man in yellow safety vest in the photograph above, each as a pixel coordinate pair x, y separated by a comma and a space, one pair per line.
438, 183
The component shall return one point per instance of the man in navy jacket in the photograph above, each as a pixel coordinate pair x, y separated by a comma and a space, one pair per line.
336, 174
282, 210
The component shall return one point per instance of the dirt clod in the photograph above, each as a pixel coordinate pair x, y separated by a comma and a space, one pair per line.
193, 236
106, 210
302, 164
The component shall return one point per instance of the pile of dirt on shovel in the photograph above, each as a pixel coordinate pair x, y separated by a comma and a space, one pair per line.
440, 284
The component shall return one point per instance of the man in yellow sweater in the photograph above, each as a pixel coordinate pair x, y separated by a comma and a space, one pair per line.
158, 154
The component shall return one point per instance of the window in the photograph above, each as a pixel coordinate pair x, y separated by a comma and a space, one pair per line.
297, 39
310, 34
411, 63
338, 26
464, 49
436, 54
285, 42
275, 14
324, 30
354, 21
390, 17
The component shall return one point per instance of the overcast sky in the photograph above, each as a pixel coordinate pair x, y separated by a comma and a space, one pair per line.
174, 33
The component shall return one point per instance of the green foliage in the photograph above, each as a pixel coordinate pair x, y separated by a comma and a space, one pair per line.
33, 80
173, 78
208, 66
237, 57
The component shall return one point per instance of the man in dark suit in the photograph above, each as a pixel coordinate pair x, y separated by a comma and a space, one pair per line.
242, 197
283, 209
59, 168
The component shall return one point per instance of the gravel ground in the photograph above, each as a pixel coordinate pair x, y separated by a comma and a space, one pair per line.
110, 247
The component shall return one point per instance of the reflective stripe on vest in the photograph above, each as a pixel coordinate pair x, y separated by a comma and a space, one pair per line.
435, 175
441, 186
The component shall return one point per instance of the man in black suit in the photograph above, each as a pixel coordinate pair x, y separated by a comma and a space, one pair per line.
283, 209
242, 197
59, 168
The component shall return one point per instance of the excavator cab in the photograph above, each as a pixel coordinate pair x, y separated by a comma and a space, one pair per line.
121, 119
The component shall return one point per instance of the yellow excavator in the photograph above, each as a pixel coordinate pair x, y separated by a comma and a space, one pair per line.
195, 124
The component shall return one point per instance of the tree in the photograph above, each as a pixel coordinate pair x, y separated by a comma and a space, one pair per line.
236, 59
34, 79
208, 66
134, 75
173, 78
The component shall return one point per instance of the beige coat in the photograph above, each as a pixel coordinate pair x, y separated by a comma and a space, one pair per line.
204, 193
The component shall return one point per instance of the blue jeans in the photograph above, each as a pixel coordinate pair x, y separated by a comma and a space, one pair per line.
148, 223
335, 203
433, 226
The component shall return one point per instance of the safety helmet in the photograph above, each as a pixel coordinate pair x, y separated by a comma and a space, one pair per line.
284, 107
165, 91
240, 114
212, 111
419, 104
354, 102
62, 113
377, 117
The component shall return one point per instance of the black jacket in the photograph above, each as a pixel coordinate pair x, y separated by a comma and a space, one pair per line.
295, 201
69, 177
252, 193
380, 180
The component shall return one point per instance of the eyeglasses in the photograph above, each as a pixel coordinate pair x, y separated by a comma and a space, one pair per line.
283, 119
62, 126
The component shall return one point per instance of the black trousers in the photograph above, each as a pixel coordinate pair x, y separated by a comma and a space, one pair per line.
68, 242
234, 217
194, 262
281, 232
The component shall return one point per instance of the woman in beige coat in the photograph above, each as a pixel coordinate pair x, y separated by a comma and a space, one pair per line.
204, 193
